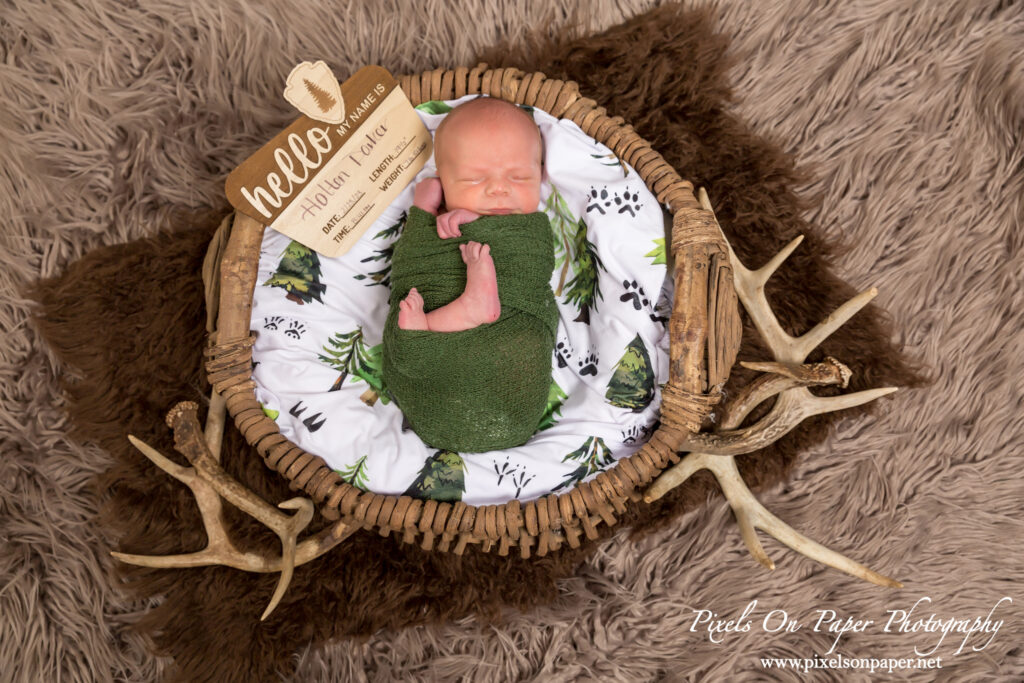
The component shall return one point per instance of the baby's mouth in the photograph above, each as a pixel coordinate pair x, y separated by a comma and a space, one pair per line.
499, 211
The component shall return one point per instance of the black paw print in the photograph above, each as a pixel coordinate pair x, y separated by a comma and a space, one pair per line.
639, 433
588, 366
635, 294
598, 200
602, 202
628, 202
295, 329
272, 322
562, 353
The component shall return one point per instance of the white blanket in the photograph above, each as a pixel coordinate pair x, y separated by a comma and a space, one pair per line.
318, 323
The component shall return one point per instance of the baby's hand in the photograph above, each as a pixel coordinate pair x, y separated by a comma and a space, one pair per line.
448, 223
428, 195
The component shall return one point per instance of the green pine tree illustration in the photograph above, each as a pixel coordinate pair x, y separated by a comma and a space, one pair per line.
632, 383
584, 288
573, 250
442, 477
562, 224
298, 273
270, 412
355, 474
593, 456
324, 100
434, 107
658, 253
556, 397
383, 277
347, 353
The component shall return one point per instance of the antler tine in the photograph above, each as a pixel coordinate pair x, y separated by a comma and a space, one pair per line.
209, 483
206, 498
791, 407
816, 405
809, 341
750, 290
751, 515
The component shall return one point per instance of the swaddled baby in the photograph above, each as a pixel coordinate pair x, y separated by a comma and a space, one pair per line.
472, 319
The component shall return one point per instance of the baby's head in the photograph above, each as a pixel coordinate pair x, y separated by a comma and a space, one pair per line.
488, 156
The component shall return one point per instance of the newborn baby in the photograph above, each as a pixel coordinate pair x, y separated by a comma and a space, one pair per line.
472, 319
488, 157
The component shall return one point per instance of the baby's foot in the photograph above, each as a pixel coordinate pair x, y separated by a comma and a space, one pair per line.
481, 295
410, 312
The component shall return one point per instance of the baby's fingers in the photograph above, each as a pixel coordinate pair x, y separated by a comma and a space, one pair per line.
442, 226
452, 223
446, 227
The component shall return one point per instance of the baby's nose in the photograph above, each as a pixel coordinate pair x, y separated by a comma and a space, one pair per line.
497, 186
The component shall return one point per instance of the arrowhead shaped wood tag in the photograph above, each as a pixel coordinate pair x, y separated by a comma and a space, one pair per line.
327, 177
313, 90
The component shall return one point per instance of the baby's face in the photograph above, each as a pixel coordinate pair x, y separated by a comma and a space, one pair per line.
490, 165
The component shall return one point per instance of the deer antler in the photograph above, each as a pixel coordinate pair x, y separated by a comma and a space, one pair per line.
209, 483
788, 380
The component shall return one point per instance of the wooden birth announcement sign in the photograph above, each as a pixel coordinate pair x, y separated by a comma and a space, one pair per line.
327, 177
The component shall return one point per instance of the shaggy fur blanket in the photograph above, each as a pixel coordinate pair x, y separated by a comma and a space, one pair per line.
889, 134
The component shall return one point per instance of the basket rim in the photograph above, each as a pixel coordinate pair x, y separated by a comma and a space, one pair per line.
698, 368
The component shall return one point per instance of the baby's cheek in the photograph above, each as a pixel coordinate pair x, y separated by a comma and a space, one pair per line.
530, 199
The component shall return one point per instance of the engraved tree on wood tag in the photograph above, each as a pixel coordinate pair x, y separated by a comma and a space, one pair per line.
312, 89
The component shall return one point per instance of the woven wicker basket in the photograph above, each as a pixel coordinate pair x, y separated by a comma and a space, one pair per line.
704, 330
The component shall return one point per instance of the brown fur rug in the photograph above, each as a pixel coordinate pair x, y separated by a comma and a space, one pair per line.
136, 153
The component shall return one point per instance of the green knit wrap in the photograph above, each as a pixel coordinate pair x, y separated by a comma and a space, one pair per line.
485, 388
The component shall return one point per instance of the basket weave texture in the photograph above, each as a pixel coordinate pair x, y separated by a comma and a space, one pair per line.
704, 331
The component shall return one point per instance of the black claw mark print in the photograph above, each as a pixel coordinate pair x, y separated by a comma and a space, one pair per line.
295, 329
311, 422
603, 202
272, 322
588, 366
635, 294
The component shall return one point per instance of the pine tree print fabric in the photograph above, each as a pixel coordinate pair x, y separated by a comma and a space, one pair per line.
319, 322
